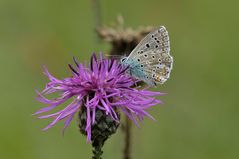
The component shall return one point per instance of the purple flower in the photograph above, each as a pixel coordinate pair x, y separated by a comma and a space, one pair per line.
102, 85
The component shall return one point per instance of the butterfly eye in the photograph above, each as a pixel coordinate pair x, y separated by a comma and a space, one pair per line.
123, 59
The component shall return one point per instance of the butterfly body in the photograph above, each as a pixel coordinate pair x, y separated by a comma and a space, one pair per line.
151, 61
135, 70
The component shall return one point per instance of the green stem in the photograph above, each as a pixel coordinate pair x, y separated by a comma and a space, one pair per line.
97, 151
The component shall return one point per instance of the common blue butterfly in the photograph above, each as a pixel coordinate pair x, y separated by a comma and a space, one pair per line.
150, 61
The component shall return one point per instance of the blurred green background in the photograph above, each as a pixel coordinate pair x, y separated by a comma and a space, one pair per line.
199, 119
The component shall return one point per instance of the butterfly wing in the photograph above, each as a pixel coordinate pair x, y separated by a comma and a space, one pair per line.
153, 55
157, 40
157, 67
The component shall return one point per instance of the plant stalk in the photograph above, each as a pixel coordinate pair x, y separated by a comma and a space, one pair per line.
127, 144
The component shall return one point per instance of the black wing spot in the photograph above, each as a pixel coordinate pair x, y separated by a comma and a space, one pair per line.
141, 65
156, 46
138, 60
147, 45
153, 56
145, 55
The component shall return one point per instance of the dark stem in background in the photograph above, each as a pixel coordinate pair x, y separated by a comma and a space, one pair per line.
96, 9
127, 144
97, 12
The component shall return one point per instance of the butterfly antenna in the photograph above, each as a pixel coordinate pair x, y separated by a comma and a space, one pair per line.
114, 56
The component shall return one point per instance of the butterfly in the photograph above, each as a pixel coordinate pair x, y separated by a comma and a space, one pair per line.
150, 61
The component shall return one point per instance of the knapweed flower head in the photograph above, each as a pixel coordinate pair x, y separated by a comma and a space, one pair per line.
103, 85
